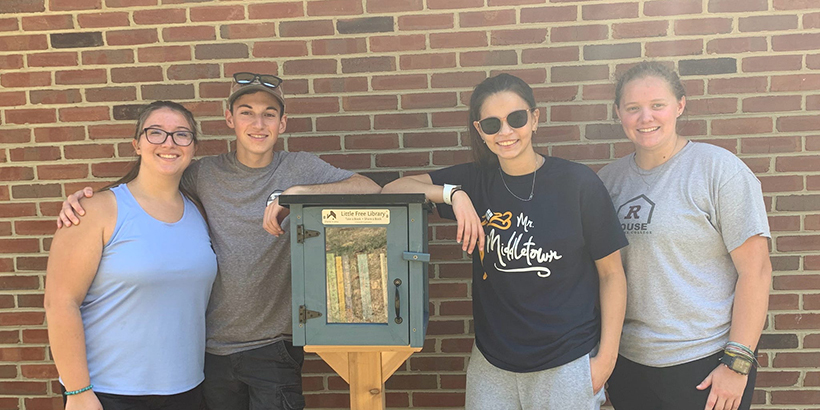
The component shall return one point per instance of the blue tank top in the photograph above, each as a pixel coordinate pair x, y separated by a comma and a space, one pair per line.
144, 314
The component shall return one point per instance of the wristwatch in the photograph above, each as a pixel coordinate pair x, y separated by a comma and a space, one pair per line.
736, 363
448, 192
273, 196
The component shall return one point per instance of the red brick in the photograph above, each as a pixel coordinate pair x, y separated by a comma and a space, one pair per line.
11, 62
399, 82
678, 7
797, 82
88, 151
582, 152
343, 123
392, 6
63, 5
59, 59
94, 76
767, 23
306, 67
46, 22
521, 36
109, 169
799, 243
314, 144
549, 14
164, 54
348, 161
736, 45
488, 58
801, 123
9, 24
371, 141
243, 31
772, 63
458, 40
31, 116
801, 163
578, 113
35, 228
741, 126
217, 13
275, 11
311, 28
339, 46
316, 105
781, 183
399, 121
27, 79
429, 100
22, 6
59, 134
731, 6
23, 43
77, 114
454, 4
100, 20
23, 388
813, 143
578, 33
772, 104
579, 73
398, 43
370, 103
188, 33
609, 11
136, 74
430, 139
449, 119
486, 18
674, 48
160, 16
707, 106
37, 153
15, 209
813, 61
640, 29
280, 49
14, 98
339, 85
20, 135
457, 80
94, 57
131, 37
738, 85
193, 72
427, 61
334, 8
769, 145
793, 4
791, 42
443, 399
57, 172
426, 22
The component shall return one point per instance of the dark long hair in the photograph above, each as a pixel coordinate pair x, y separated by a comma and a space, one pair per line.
144, 114
493, 85
650, 69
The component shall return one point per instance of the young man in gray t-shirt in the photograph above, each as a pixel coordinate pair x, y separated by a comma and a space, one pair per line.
250, 361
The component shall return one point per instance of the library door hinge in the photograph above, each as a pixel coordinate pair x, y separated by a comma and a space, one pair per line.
305, 314
302, 233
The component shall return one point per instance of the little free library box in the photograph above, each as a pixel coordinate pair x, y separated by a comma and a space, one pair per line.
359, 277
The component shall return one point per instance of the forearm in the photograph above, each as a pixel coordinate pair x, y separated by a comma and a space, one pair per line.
749, 309
67, 340
416, 184
356, 184
613, 308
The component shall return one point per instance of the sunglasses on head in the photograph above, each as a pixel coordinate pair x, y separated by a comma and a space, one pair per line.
270, 81
516, 119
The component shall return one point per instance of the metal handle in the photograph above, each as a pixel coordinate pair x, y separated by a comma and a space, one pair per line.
398, 319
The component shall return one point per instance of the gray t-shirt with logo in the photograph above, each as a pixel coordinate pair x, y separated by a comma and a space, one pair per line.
682, 219
250, 303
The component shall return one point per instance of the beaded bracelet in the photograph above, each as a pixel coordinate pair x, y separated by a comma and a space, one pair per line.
84, 389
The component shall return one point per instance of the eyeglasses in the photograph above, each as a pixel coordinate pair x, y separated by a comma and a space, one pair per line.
270, 81
516, 119
158, 136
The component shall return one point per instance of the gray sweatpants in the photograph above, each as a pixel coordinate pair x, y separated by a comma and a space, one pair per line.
567, 387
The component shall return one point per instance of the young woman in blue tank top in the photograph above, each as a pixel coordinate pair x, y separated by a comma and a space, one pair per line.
548, 285
127, 289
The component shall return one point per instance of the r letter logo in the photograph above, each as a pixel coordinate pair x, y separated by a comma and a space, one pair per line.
636, 215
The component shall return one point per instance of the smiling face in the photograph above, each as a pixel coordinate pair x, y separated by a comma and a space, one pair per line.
649, 111
257, 121
167, 158
512, 146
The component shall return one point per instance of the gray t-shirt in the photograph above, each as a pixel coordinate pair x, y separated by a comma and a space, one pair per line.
250, 304
682, 219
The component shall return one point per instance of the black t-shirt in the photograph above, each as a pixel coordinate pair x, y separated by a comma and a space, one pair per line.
535, 293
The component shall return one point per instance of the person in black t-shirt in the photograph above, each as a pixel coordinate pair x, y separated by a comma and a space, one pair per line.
549, 290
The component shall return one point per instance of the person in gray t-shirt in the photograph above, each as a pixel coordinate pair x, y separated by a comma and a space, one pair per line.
698, 269
250, 361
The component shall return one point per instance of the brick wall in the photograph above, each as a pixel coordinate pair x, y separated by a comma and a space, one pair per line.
379, 86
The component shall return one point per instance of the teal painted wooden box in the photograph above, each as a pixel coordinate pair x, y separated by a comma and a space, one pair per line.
359, 269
